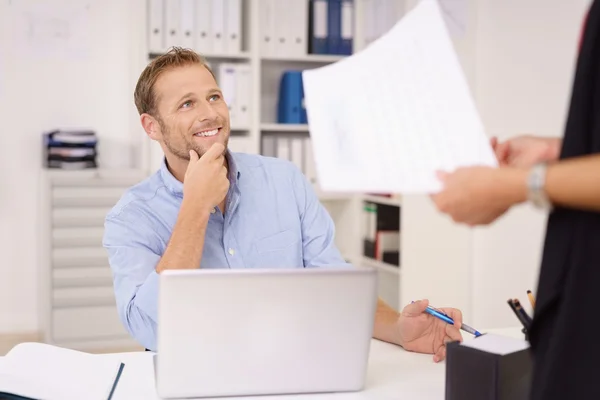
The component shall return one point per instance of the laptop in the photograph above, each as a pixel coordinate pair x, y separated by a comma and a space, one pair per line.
240, 332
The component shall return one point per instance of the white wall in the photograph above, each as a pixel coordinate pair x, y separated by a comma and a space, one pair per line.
519, 58
40, 89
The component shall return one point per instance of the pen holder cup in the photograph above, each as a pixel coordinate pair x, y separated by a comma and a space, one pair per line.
477, 373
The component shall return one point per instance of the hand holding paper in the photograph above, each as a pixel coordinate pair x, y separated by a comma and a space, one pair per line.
389, 117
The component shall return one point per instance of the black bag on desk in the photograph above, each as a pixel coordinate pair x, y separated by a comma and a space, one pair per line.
487, 372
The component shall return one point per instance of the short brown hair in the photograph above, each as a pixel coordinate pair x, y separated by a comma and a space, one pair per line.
144, 96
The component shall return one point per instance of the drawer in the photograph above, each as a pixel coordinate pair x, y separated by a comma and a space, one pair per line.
86, 323
79, 257
83, 297
79, 217
86, 196
77, 237
82, 277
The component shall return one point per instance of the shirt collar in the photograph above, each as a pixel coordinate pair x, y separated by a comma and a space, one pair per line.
176, 187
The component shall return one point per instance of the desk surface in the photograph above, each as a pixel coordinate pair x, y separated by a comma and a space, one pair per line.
392, 372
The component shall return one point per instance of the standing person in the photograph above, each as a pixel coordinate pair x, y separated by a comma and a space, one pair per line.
563, 336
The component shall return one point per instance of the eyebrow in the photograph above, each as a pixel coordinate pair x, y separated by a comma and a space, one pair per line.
190, 94
185, 96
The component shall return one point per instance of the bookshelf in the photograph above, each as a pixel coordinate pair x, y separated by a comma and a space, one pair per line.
267, 64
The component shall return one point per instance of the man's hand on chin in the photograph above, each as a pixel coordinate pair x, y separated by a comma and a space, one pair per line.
423, 333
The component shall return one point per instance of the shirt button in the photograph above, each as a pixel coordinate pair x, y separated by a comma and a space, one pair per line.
213, 210
231, 251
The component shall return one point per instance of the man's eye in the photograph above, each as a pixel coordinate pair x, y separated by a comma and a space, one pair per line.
215, 97
186, 104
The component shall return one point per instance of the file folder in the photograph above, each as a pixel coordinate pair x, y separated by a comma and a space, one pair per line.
334, 26
227, 77
233, 26
243, 83
156, 34
217, 21
290, 107
186, 28
347, 27
318, 27
203, 15
172, 16
267, 28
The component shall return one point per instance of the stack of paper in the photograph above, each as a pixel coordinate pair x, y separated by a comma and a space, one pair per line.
387, 118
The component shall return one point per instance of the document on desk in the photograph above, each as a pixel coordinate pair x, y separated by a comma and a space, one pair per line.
387, 118
42, 371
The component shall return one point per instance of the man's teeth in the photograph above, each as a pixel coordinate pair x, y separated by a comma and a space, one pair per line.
207, 133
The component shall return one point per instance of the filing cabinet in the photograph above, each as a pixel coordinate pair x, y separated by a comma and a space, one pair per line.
78, 307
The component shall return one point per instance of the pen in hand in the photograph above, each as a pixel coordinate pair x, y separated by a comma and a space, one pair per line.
446, 318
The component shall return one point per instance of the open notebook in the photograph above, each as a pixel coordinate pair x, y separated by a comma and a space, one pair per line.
41, 371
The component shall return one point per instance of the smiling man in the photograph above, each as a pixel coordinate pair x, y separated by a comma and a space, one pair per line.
207, 207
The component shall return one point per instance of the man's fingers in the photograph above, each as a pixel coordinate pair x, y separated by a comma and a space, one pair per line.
502, 150
453, 333
455, 314
215, 151
416, 308
440, 354
193, 156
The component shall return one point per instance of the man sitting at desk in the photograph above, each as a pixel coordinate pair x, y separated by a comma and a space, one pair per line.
209, 208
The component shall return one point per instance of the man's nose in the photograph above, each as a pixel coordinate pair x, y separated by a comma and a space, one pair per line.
207, 112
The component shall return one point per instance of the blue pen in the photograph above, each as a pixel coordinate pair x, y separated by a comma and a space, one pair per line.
444, 317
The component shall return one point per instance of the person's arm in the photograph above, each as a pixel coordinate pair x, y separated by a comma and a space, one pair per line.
135, 258
133, 254
185, 247
386, 326
318, 233
570, 183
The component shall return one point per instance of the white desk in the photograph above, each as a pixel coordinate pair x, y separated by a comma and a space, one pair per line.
393, 373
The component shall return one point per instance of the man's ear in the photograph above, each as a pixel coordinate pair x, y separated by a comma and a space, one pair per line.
151, 126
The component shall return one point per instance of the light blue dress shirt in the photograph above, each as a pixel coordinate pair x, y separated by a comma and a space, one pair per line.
273, 219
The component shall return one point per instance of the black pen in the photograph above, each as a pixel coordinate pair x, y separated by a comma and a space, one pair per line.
517, 313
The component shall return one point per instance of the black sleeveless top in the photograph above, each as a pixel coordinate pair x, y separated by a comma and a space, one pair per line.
565, 336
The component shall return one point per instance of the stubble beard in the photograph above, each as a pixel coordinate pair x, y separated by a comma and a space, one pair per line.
184, 154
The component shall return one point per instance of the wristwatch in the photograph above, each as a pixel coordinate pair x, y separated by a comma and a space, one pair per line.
536, 181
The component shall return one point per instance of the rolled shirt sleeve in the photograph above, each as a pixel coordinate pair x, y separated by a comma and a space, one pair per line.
133, 255
318, 229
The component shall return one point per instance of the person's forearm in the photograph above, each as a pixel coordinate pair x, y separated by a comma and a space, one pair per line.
571, 183
386, 323
575, 183
185, 247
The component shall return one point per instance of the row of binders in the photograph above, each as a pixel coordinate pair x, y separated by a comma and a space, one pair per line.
294, 28
381, 232
207, 26
294, 148
235, 81
70, 149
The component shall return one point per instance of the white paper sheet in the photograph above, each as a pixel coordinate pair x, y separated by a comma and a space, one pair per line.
387, 118
496, 344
